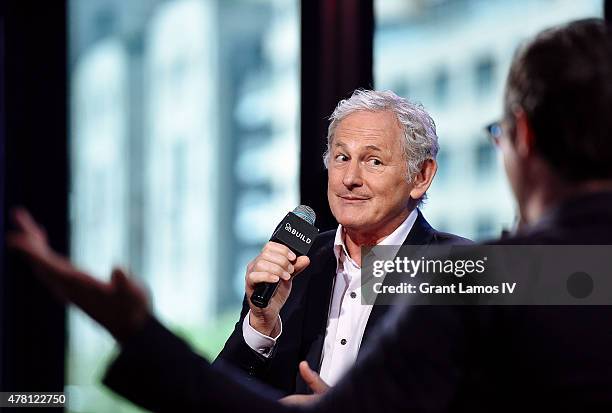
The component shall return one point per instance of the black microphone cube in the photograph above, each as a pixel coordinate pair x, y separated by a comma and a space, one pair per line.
295, 233
298, 235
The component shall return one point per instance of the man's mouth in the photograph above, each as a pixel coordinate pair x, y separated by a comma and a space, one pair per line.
353, 198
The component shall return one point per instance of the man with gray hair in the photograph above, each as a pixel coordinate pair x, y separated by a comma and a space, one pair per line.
381, 159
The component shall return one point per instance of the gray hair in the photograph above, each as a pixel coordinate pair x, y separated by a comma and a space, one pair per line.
418, 128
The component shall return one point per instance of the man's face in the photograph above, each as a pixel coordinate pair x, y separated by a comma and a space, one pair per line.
367, 187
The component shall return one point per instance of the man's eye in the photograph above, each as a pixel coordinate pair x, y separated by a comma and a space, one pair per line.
341, 158
375, 162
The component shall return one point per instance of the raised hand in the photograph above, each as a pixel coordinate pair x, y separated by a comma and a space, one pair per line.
121, 305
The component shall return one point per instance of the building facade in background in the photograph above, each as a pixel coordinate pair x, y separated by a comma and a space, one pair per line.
184, 155
452, 56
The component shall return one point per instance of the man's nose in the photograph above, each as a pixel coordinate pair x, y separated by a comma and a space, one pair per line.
352, 175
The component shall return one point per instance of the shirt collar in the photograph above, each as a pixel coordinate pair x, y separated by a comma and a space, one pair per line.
397, 237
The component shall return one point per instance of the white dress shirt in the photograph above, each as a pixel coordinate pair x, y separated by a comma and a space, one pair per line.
347, 317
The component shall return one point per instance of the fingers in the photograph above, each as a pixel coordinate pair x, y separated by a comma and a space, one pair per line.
291, 400
250, 265
122, 283
32, 247
271, 265
262, 277
299, 399
312, 378
270, 268
122, 309
119, 278
281, 249
24, 221
300, 264
29, 238
279, 259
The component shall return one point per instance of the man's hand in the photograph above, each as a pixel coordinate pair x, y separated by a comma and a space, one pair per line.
314, 381
121, 306
276, 262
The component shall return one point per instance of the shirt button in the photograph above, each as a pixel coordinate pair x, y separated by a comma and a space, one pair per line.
353, 294
343, 341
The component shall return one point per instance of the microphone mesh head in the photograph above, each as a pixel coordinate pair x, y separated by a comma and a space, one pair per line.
306, 213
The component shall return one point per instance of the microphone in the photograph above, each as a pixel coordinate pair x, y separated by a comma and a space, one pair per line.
297, 232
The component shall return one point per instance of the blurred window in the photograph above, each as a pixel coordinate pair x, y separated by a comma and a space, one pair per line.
441, 82
184, 151
485, 160
485, 68
462, 48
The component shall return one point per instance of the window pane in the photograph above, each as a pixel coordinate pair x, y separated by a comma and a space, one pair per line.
184, 152
454, 55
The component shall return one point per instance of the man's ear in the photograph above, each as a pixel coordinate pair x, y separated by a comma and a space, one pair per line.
524, 138
423, 179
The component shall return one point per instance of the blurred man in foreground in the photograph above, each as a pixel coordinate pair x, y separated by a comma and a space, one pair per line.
557, 149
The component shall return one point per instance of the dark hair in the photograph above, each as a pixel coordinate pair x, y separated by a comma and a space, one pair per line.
563, 81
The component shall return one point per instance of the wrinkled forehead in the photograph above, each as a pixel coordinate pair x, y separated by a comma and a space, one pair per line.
367, 128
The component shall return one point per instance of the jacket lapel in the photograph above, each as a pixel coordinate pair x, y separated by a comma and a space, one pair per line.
421, 233
319, 300
317, 312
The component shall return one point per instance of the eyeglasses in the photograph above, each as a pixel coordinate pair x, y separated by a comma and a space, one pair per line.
494, 132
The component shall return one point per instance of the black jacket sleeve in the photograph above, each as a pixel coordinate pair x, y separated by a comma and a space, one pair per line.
416, 363
160, 372
237, 352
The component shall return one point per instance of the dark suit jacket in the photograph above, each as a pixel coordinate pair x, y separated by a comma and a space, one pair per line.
423, 358
305, 313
